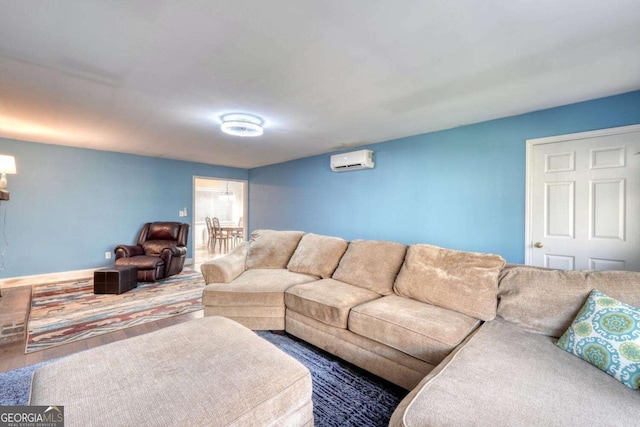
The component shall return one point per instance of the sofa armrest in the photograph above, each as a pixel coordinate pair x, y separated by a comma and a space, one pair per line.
127, 251
227, 268
397, 418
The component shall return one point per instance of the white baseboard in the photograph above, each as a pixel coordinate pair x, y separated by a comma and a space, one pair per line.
41, 279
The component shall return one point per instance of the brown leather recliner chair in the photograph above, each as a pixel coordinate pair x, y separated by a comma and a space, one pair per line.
160, 252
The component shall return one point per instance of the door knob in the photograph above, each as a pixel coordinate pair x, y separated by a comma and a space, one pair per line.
538, 244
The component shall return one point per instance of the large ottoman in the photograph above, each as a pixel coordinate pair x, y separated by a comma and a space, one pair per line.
211, 371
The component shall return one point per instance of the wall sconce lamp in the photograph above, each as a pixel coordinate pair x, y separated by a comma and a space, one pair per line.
7, 165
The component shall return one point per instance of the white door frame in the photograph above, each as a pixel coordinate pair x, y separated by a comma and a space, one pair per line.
528, 243
245, 207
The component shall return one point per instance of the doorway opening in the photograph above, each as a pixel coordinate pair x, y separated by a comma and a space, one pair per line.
226, 201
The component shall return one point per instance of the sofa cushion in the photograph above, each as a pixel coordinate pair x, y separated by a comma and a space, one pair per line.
372, 265
271, 248
317, 255
606, 333
258, 287
421, 330
379, 359
546, 301
466, 282
505, 376
328, 301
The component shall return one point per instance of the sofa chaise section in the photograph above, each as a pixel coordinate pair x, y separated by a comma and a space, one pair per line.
512, 373
254, 299
248, 285
505, 376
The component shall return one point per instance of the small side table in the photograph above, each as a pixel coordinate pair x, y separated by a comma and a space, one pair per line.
115, 280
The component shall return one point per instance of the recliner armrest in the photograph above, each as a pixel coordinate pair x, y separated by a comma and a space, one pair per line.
227, 268
174, 250
127, 251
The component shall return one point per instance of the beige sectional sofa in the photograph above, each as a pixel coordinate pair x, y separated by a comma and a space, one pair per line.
358, 300
471, 338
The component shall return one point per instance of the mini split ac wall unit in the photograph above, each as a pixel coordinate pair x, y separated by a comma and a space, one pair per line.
361, 159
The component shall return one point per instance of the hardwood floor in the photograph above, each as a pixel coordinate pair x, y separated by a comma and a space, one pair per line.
12, 355
203, 254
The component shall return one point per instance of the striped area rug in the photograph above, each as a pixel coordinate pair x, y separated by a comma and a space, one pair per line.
65, 312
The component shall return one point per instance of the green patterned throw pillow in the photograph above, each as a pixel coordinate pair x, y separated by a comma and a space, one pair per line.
606, 333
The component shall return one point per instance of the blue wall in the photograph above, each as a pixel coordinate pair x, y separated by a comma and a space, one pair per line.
462, 188
69, 206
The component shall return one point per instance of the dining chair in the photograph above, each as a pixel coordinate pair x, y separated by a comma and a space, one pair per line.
220, 235
211, 236
238, 235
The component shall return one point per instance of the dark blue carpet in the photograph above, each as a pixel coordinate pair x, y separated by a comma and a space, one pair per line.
15, 385
343, 395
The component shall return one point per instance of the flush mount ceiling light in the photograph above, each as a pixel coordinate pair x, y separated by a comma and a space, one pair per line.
242, 125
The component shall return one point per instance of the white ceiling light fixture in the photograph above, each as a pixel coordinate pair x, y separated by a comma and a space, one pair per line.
242, 125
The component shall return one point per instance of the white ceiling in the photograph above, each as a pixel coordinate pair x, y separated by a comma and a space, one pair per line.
153, 77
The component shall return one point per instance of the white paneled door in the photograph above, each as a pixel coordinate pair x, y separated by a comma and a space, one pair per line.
583, 200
